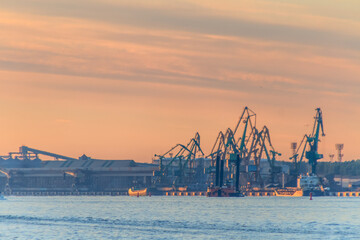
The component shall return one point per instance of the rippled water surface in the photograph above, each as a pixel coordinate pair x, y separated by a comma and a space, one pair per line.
179, 217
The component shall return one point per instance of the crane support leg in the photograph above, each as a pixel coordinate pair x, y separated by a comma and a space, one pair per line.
237, 182
217, 177
221, 182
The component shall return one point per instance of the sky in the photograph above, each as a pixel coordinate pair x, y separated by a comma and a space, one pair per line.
130, 79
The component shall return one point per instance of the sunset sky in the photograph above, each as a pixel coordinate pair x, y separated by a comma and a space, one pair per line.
130, 79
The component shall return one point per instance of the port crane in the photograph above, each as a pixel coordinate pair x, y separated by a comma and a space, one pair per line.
232, 149
270, 153
184, 157
248, 119
261, 144
217, 160
236, 154
253, 156
312, 140
237, 147
225, 145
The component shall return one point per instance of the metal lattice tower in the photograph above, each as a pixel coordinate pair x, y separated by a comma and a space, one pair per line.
293, 147
339, 147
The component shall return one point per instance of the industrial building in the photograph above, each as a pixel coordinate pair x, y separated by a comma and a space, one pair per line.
23, 172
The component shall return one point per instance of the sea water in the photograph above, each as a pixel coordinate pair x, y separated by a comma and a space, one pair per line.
165, 217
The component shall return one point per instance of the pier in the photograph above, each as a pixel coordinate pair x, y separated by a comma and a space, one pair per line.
66, 194
267, 193
345, 194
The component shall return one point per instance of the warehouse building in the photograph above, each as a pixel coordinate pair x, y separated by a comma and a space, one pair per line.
26, 173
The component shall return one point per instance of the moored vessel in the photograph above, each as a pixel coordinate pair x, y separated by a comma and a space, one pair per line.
311, 184
137, 192
289, 192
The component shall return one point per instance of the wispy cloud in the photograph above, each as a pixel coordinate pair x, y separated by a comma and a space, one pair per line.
198, 60
189, 17
153, 60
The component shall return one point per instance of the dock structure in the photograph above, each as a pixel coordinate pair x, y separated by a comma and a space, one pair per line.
264, 193
176, 193
49, 193
172, 193
249, 193
345, 194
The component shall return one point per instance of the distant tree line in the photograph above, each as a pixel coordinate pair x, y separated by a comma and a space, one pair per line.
348, 168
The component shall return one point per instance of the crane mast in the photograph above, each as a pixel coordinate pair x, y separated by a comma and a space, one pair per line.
313, 140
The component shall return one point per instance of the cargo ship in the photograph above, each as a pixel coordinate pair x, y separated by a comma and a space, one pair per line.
310, 184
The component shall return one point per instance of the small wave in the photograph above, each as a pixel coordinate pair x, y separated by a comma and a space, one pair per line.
181, 226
